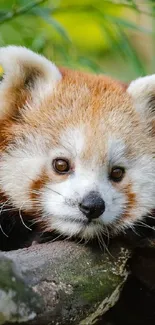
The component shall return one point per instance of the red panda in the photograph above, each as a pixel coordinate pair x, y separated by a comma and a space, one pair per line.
76, 149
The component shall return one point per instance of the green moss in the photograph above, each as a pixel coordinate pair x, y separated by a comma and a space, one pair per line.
22, 302
92, 287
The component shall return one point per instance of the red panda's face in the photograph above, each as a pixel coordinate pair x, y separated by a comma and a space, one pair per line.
75, 152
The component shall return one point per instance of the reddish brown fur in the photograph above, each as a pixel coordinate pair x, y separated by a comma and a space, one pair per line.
131, 201
79, 98
97, 98
37, 185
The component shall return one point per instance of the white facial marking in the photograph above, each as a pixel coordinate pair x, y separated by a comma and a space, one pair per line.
116, 152
73, 139
63, 209
60, 199
19, 167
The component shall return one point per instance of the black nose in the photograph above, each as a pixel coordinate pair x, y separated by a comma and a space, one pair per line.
92, 206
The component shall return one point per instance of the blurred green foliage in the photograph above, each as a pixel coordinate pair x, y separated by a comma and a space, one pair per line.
114, 37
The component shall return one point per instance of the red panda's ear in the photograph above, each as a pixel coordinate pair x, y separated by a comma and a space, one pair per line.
24, 75
142, 92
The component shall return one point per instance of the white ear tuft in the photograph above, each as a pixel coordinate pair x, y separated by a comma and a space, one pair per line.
24, 72
16, 59
142, 91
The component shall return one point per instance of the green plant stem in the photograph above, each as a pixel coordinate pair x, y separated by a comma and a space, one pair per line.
75, 8
13, 14
132, 6
18, 12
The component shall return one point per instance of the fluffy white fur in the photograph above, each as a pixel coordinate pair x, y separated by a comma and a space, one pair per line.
22, 164
141, 91
15, 62
59, 200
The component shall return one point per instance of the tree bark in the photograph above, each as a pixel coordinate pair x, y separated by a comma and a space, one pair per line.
60, 283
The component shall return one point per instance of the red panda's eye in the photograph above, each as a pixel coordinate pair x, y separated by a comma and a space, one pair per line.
117, 174
61, 166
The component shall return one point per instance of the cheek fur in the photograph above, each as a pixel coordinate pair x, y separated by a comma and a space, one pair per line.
131, 203
16, 175
36, 186
39, 184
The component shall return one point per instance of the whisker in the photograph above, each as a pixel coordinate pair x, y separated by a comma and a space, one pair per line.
3, 232
11, 209
106, 246
54, 191
134, 231
150, 217
3, 205
80, 241
101, 243
21, 218
107, 234
56, 238
144, 225
40, 192
37, 220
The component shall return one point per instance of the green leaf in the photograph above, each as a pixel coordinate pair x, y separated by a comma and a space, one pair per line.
127, 24
2, 13
38, 44
86, 62
130, 51
113, 41
44, 13
133, 4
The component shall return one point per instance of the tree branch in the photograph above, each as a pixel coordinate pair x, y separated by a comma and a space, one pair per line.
63, 283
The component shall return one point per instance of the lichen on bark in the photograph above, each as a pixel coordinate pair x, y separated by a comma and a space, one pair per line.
76, 284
